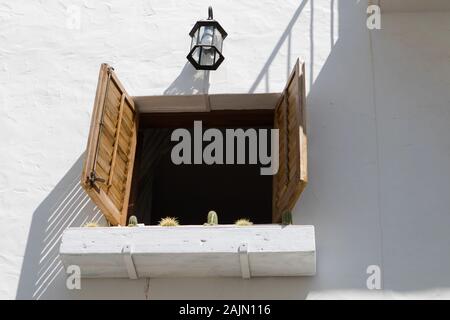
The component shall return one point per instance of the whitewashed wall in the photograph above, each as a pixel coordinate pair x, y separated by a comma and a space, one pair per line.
379, 127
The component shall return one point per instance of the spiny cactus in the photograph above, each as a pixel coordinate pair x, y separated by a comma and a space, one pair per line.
169, 222
91, 224
132, 221
286, 218
243, 222
213, 219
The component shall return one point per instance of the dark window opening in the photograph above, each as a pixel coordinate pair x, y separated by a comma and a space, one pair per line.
161, 188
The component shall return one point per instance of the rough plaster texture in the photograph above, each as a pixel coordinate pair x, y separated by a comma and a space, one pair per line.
378, 106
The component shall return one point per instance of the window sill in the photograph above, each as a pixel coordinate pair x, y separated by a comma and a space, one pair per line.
191, 251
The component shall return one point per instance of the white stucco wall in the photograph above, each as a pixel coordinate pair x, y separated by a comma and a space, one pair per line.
379, 121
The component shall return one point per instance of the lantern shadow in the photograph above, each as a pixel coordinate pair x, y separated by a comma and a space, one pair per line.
285, 36
189, 81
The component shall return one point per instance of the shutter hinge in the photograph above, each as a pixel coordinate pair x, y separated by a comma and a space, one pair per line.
92, 179
109, 70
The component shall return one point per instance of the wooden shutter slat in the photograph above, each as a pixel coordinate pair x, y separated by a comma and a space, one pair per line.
111, 148
115, 197
126, 126
291, 177
116, 142
110, 120
108, 136
122, 159
102, 173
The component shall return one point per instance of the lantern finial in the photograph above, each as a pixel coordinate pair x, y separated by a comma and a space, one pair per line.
210, 13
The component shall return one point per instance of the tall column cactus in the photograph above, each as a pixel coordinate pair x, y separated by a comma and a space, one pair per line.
286, 218
213, 219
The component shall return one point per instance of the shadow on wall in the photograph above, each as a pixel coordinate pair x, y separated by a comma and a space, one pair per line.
287, 36
343, 199
67, 205
189, 81
43, 275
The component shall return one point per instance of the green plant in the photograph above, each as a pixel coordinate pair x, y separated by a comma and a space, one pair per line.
169, 222
91, 224
213, 219
286, 218
132, 221
243, 222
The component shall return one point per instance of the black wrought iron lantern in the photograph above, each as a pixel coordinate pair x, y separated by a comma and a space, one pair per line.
206, 44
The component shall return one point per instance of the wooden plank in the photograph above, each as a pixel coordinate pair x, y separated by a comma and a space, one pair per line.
179, 103
261, 101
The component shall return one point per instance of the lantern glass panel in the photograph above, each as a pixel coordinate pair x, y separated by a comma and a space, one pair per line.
207, 56
218, 39
206, 35
196, 54
194, 39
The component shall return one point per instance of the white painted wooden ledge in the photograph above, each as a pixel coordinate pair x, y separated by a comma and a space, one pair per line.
191, 251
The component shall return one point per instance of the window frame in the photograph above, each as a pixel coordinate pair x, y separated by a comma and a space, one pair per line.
292, 99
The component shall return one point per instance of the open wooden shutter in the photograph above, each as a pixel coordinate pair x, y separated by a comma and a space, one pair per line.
108, 166
291, 178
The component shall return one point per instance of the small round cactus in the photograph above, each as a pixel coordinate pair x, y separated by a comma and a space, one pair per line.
132, 221
243, 222
91, 224
286, 218
169, 222
213, 219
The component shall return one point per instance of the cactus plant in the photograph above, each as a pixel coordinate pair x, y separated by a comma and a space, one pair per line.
243, 222
132, 221
213, 219
169, 222
286, 218
91, 224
